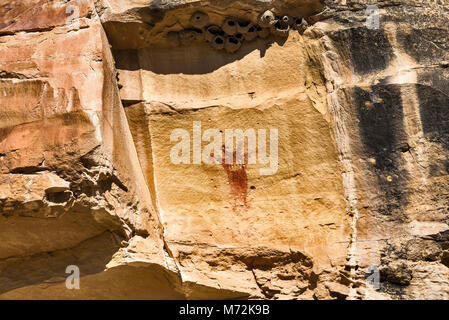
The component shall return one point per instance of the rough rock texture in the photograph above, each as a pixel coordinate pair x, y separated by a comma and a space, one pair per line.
90, 92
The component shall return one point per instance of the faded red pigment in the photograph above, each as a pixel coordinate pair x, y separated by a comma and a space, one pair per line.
238, 182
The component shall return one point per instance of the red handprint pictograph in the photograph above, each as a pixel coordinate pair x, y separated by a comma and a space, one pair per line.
238, 180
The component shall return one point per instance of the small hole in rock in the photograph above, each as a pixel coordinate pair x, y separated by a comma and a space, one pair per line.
58, 197
214, 31
405, 147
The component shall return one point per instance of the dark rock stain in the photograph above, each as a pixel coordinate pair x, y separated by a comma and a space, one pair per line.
369, 50
434, 111
382, 134
425, 46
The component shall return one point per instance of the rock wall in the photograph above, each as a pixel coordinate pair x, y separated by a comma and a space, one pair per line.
91, 93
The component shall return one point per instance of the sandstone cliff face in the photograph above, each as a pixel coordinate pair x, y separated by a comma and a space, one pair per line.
91, 92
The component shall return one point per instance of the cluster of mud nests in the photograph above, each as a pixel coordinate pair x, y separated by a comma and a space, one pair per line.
233, 32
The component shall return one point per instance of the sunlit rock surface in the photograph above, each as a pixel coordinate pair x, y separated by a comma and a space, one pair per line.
354, 207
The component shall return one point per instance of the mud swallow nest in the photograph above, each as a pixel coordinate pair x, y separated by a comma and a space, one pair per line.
233, 32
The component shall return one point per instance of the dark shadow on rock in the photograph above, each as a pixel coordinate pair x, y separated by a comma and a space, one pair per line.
90, 256
198, 58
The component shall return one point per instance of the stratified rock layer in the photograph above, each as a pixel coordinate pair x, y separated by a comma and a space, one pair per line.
90, 92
